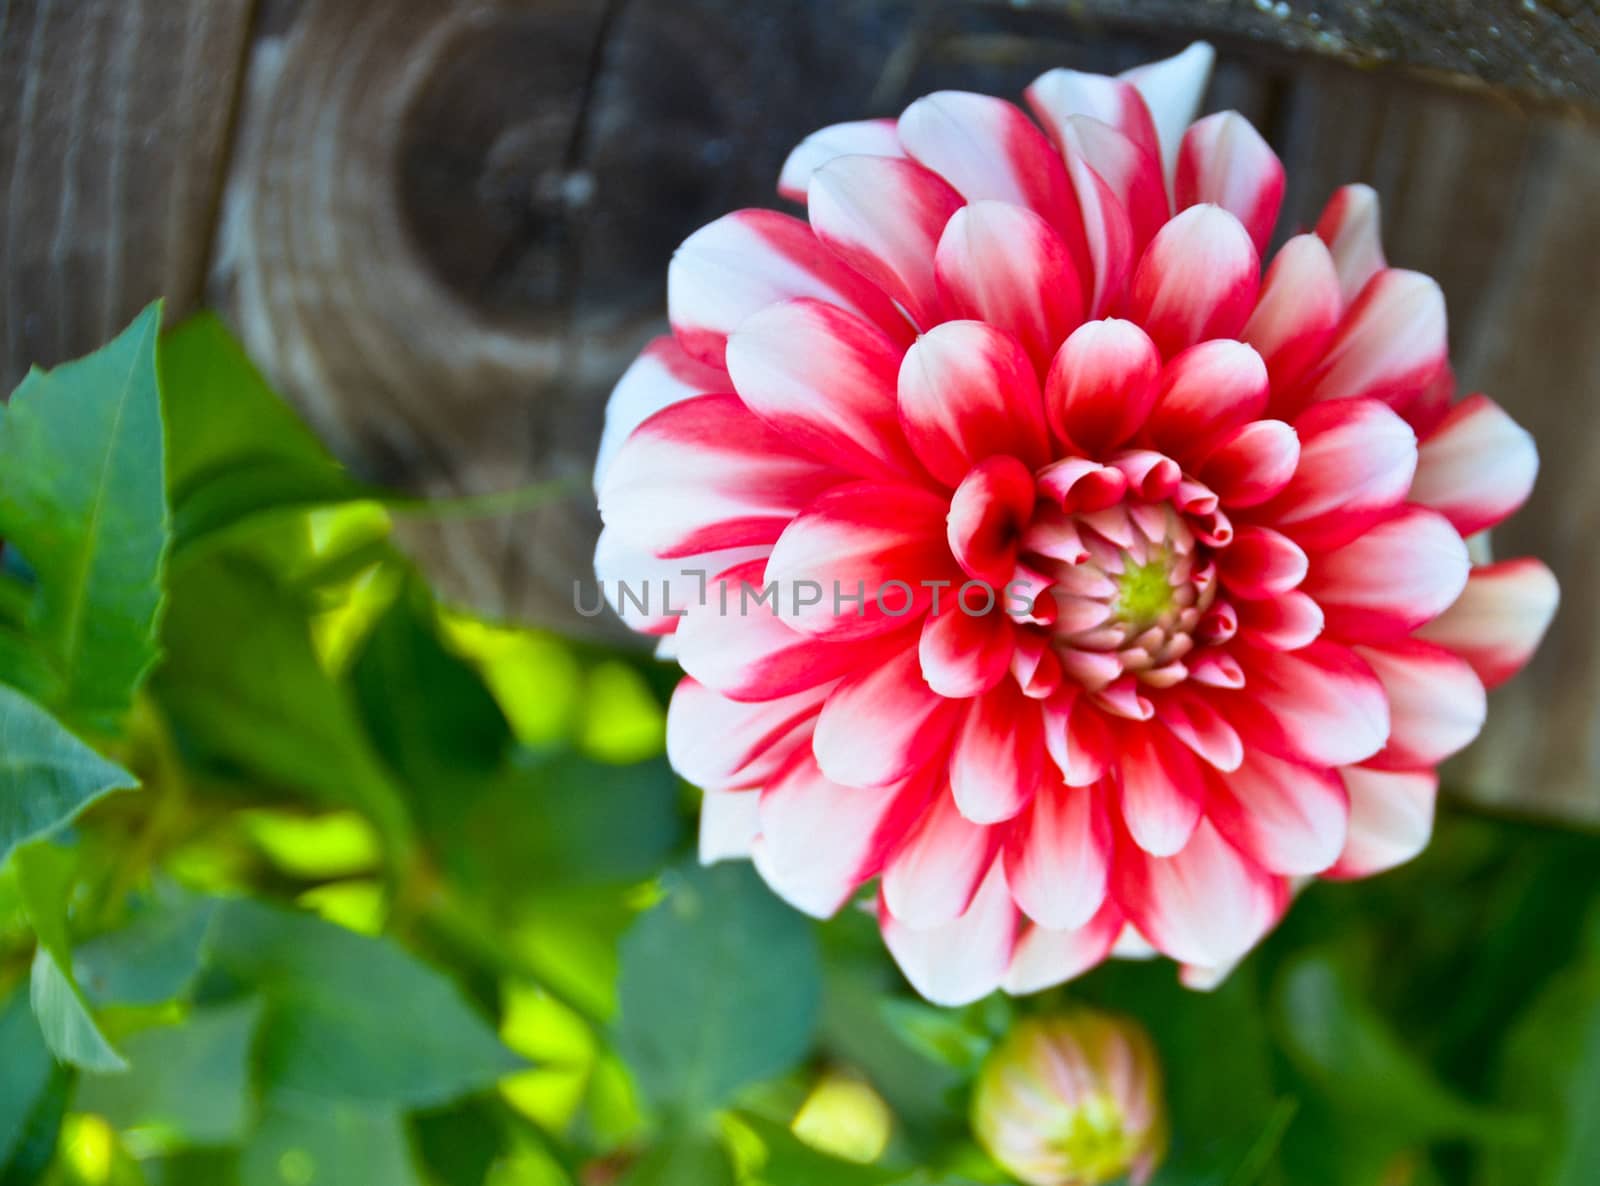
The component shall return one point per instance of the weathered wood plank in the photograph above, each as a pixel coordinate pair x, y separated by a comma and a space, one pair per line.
114, 120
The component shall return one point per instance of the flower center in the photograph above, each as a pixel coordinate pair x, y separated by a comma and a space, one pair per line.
1144, 592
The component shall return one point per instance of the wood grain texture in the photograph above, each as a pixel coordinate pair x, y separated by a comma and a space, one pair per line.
114, 121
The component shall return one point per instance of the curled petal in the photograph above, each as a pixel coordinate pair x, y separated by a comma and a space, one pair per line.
862, 137
964, 960
1077, 739
1261, 563
750, 259
1403, 572
997, 761
1477, 467
988, 513
1498, 620
1252, 464
1209, 389
1131, 173
1102, 384
1391, 818
1196, 280
1350, 227
1224, 160
884, 216
965, 654
1284, 623
1195, 721
1295, 316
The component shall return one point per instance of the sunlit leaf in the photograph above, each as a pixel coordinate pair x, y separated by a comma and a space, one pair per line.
310, 1143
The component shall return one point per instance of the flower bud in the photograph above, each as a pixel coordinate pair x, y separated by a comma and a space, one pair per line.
1073, 1100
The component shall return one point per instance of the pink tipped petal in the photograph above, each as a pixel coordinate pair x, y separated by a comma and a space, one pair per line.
987, 148
967, 392
729, 824
750, 259
1357, 458
988, 513
1320, 704
1477, 467
1206, 905
1209, 389
1045, 958
1436, 703
1224, 160
1261, 563
715, 742
862, 137
1102, 384
853, 565
1403, 572
1390, 345
661, 376
1078, 740
819, 841
706, 474
1060, 95
1196, 280
1295, 316
1350, 227
1007, 266
884, 218
1195, 721
1215, 668
998, 760
1058, 855
1498, 620
1288, 817
883, 724
1252, 464
965, 654
1283, 623
825, 379
1172, 89
931, 879
1162, 788
1391, 818
962, 961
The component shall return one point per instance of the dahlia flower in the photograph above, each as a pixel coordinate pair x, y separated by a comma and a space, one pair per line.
1073, 1100
1107, 584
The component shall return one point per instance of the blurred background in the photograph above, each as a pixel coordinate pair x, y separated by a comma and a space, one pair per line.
437, 232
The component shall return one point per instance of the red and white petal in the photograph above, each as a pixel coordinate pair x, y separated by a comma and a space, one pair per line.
1206, 905
1288, 817
1252, 464
1007, 266
1390, 344
1284, 623
931, 878
1261, 563
661, 376
1403, 572
854, 563
968, 392
1497, 622
1172, 89
819, 841
1130, 172
997, 760
1295, 316
1060, 95
715, 742
1477, 467
737, 641
1058, 856
965, 654
1391, 819
825, 379
1107, 231
1224, 160
652, 595
1349, 225
884, 217
1211, 388
707, 474
987, 148
1045, 958
1357, 458
1320, 704
1102, 384
962, 961
1077, 739
1195, 721
750, 259
861, 137
729, 824
1162, 790
988, 514
1197, 279
883, 724
1436, 703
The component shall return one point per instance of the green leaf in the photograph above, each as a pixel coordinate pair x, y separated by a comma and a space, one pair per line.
189, 1084
683, 1160
153, 959
305, 1143
236, 449
44, 879
720, 985
47, 775
792, 1162
84, 501
349, 1017
30, 1083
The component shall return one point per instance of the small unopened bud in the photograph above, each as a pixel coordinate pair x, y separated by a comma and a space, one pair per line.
1073, 1100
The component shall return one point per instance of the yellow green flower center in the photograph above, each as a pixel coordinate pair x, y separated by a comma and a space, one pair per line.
1144, 593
